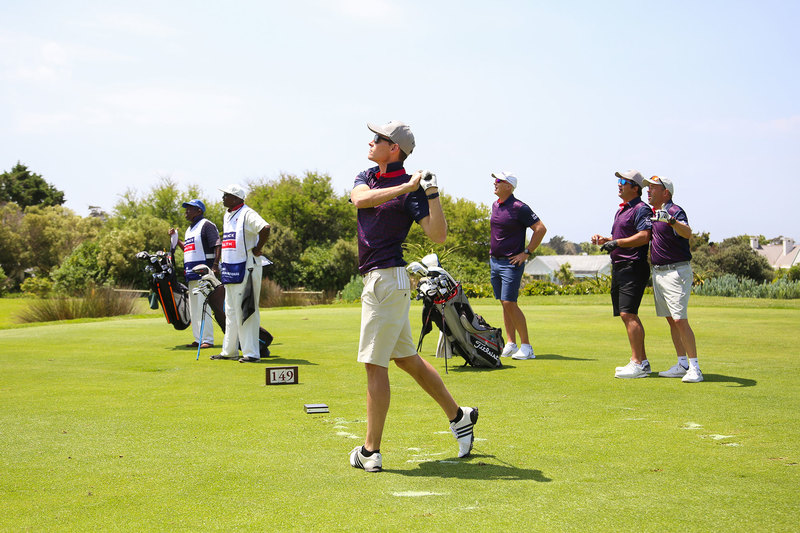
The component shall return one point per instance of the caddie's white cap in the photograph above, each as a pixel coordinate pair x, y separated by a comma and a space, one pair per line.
658, 180
506, 176
234, 190
633, 175
398, 132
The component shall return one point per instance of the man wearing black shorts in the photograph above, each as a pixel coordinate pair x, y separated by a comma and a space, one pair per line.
630, 236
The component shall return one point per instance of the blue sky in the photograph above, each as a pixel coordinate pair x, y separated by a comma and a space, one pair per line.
101, 97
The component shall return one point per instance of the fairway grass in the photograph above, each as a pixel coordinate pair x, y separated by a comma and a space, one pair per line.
112, 425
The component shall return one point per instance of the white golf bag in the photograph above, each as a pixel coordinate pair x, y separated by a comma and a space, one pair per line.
462, 331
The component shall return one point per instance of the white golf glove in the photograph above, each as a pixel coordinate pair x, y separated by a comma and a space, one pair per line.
428, 180
663, 216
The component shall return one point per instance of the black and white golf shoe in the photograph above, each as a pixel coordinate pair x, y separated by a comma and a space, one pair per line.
462, 430
373, 463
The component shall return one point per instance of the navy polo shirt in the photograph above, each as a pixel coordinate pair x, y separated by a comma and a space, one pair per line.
632, 217
383, 228
508, 223
666, 246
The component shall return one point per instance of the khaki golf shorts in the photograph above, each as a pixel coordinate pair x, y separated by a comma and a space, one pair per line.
385, 328
672, 285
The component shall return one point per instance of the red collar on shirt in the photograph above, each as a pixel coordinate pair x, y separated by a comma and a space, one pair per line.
392, 174
236, 207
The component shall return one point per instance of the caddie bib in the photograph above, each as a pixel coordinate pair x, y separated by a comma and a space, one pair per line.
193, 252
234, 248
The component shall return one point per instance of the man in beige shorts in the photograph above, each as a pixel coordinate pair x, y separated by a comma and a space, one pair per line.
388, 201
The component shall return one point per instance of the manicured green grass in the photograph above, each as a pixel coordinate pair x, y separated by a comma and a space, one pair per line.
112, 425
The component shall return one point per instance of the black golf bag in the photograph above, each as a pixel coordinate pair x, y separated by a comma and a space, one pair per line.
462, 331
171, 294
214, 292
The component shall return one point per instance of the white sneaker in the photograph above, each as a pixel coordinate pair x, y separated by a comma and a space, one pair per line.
462, 430
693, 375
632, 370
508, 349
525, 352
676, 371
373, 463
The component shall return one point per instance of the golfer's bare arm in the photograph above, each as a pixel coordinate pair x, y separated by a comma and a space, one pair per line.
638, 239
682, 229
363, 197
434, 225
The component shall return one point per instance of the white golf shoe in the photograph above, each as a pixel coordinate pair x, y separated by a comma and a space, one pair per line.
509, 349
373, 463
462, 430
525, 352
633, 370
676, 371
693, 375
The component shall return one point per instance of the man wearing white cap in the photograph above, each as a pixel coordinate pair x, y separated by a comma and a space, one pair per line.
201, 246
244, 233
388, 201
627, 246
507, 255
672, 275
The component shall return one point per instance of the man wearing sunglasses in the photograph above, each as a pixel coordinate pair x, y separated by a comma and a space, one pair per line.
388, 201
507, 255
630, 236
672, 276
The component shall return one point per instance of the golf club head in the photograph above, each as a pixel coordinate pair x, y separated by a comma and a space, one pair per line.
417, 268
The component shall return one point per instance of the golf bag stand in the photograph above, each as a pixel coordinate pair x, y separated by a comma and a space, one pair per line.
463, 332
172, 295
214, 292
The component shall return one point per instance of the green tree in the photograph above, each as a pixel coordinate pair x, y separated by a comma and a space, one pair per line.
328, 268
307, 206
119, 246
564, 274
468, 230
26, 188
79, 270
284, 250
162, 202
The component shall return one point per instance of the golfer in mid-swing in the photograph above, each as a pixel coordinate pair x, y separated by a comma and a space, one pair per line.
388, 201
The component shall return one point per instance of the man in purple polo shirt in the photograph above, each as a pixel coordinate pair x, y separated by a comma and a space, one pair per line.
630, 235
507, 255
672, 275
388, 202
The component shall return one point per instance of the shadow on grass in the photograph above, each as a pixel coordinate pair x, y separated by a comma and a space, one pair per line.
719, 378
509, 362
473, 468
557, 357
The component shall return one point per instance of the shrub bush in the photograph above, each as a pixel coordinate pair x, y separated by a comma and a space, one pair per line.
96, 302
352, 291
3, 282
37, 286
731, 286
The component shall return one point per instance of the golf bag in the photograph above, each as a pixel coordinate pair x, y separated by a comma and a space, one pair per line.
462, 331
214, 292
172, 295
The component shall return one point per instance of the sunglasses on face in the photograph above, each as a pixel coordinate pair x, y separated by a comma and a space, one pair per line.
498, 181
379, 138
623, 181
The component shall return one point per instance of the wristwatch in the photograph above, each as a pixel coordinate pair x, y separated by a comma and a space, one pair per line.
526, 251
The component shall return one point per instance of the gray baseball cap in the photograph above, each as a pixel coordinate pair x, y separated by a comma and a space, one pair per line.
633, 175
234, 190
398, 132
659, 180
